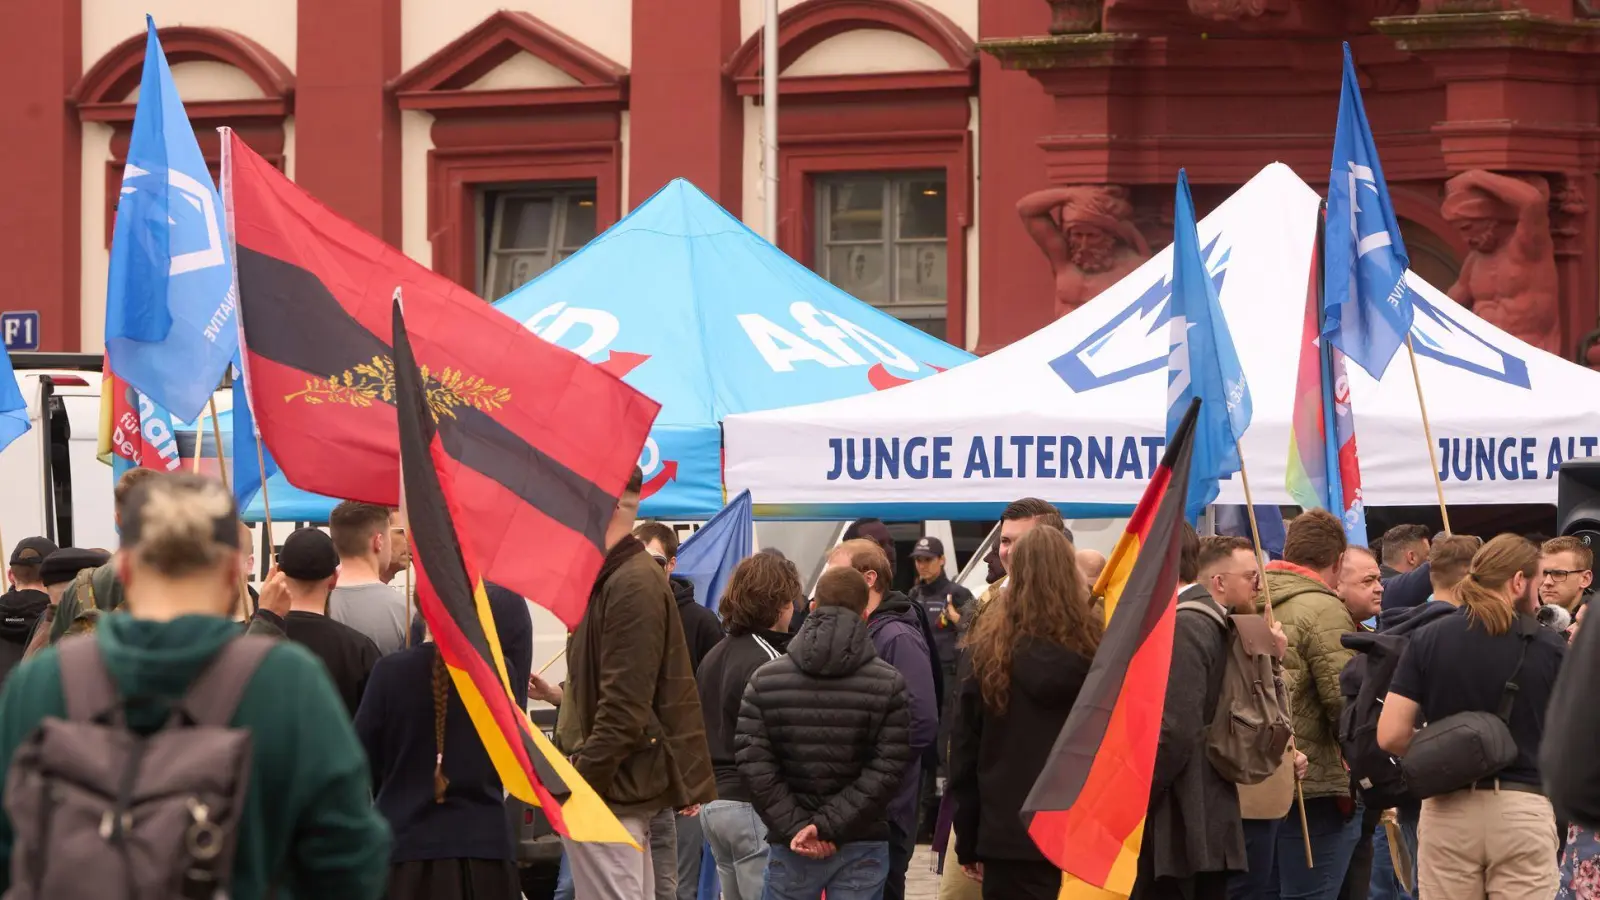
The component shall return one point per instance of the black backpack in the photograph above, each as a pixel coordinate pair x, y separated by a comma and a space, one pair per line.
1364, 684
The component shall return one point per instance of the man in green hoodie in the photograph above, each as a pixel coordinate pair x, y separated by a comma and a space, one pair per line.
308, 828
1302, 588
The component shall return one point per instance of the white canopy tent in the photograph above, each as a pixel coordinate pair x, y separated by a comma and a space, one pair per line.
1075, 412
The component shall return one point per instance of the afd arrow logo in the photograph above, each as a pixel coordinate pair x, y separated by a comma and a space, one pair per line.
1438, 336
1134, 341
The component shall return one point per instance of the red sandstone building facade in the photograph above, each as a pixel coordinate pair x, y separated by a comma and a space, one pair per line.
974, 166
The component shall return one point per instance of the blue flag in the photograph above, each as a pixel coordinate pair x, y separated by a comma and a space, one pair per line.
13, 408
710, 555
1202, 363
1368, 306
170, 299
246, 467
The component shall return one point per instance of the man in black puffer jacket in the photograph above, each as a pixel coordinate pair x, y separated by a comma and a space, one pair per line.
823, 743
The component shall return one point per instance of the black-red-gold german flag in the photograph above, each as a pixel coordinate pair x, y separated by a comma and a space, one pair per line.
453, 602
1086, 810
538, 442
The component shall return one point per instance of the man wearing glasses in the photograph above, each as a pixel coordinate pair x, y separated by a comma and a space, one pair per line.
1566, 571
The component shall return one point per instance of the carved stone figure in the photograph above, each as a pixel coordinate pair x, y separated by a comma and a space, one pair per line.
1087, 233
1509, 276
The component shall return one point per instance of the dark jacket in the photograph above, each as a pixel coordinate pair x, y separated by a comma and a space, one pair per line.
822, 734
1193, 824
631, 719
395, 723
19, 611
1567, 757
723, 676
308, 819
933, 596
1407, 589
701, 629
996, 757
898, 639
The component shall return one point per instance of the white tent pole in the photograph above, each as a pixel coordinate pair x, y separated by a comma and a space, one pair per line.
769, 118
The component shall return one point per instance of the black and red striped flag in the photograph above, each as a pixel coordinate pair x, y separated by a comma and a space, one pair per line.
451, 596
1086, 810
538, 442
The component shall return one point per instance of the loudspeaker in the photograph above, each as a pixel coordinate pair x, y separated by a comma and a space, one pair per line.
1578, 500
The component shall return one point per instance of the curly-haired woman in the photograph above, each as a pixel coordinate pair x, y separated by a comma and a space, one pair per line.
1030, 652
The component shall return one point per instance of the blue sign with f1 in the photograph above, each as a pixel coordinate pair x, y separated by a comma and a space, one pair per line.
21, 329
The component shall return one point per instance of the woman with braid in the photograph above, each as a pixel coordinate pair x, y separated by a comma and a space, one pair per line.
431, 776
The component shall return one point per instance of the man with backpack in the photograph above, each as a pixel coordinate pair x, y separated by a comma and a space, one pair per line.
1193, 835
166, 755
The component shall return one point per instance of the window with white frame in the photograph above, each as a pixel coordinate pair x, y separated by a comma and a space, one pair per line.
530, 228
881, 237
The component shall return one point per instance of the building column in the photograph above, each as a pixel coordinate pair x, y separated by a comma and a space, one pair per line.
684, 118
41, 58
347, 129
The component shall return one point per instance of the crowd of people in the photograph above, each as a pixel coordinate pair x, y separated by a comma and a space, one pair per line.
1435, 730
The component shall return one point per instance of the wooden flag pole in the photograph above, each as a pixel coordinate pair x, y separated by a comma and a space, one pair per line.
1266, 590
216, 437
266, 501
546, 667
400, 299
1427, 432
409, 614
199, 439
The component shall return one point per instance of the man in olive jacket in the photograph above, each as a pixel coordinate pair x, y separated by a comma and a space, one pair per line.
630, 715
1313, 617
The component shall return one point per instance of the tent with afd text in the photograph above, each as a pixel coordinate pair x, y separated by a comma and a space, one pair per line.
1075, 412
701, 314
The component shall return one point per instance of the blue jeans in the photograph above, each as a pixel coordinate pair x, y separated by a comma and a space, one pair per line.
1260, 882
1333, 841
1385, 883
856, 872
738, 840
564, 888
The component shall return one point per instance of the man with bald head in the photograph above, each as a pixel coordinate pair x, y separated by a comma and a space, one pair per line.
1090, 564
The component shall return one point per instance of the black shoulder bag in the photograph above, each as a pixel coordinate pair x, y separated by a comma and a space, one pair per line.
1460, 750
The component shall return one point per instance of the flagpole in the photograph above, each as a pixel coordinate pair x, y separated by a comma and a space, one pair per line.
546, 667
1427, 433
216, 437
266, 501
399, 300
199, 439
1266, 590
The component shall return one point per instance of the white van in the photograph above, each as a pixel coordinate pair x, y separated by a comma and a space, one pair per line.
51, 484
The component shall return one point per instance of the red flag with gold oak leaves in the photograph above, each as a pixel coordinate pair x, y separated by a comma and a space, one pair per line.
1086, 810
451, 595
538, 443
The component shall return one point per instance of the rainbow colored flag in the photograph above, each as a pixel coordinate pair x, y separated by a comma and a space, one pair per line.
1324, 470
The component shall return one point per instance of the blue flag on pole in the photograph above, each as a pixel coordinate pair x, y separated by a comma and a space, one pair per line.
1368, 306
13, 408
710, 555
1202, 363
246, 468
170, 329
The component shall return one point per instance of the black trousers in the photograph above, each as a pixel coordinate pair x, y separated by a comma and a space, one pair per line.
1012, 880
454, 879
901, 848
1202, 886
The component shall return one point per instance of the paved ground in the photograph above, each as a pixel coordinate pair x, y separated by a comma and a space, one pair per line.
922, 882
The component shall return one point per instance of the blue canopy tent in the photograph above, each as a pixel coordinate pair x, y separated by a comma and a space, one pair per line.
699, 312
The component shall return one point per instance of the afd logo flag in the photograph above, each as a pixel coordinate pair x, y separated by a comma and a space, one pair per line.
13, 408
1367, 306
170, 299
1202, 365
1134, 341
